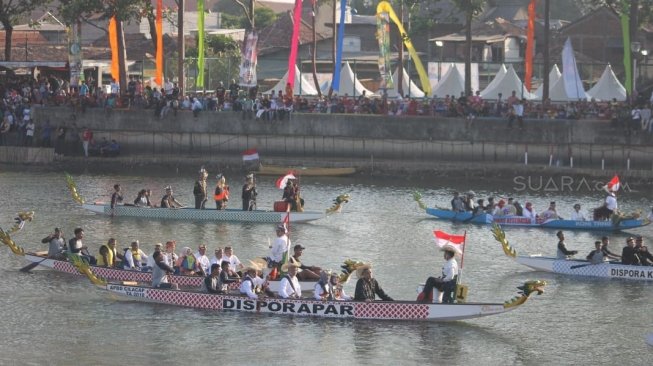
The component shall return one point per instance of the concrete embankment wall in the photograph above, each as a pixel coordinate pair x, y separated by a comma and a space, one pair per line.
424, 139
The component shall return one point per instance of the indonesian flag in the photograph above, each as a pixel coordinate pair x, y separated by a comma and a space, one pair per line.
250, 154
614, 184
281, 182
286, 221
455, 242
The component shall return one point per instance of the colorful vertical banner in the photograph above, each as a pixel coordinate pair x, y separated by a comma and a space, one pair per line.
199, 82
158, 76
335, 80
383, 38
74, 55
247, 75
530, 45
113, 43
628, 63
294, 42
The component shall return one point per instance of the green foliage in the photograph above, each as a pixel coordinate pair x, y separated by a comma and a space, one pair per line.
72, 10
262, 16
12, 11
220, 43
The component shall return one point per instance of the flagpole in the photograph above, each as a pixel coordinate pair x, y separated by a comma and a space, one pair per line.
462, 258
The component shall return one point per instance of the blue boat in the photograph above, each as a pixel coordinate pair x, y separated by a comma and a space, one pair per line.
484, 218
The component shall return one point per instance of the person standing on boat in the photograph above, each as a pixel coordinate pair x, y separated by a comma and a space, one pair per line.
367, 288
211, 283
169, 201
76, 246
605, 242
596, 256
280, 247
221, 195
135, 258
628, 254
608, 208
160, 273
563, 252
57, 245
578, 215
645, 257
289, 287
116, 197
199, 191
249, 193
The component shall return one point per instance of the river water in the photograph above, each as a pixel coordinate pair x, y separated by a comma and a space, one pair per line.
57, 319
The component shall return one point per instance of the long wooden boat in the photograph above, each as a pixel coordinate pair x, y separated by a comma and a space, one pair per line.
116, 274
574, 267
257, 216
305, 171
649, 339
484, 218
381, 310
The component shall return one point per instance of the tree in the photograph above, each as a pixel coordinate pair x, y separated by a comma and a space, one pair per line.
471, 9
10, 12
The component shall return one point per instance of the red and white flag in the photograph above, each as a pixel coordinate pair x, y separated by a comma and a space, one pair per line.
614, 184
286, 222
250, 154
281, 182
455, 242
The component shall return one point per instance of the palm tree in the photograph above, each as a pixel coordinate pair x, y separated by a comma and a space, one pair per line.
470, 8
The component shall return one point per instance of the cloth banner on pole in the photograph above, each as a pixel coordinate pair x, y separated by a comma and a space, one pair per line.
573, 84
158, 77
628, 64
530, 45
113, 43
281, 182
294, 42
335, 79
74, 54
446, 241
199, 82
383, 37
247, 74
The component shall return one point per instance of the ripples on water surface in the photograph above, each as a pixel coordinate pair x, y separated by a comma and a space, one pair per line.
52, 318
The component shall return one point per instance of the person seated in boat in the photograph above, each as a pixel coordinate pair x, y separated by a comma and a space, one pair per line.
468, 201
367, 287
563, 252
510, 207
225, 277
519, 210
337, 287
550, 213
578, 215
596, 256
457, 204
489, 209
426, 295
211, 283
289, 287
641, 250
203, 262
169, 201
56, 245
235, 265
250, 281
479, 208
200, 190
628, 254
161, 272
605, 242
170, 256
187, 263
447, 283
108, 257
249, 193
135, 258
221, 193
142, 199
77, 247
323, 289
150, 259
292, 197
217, 256
501, 209
304, 273
607, 209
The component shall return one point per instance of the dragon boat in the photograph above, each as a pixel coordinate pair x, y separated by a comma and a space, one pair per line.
622, 223
574, 267
305, 171
378, 310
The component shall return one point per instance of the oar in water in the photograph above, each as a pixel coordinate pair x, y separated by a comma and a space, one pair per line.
582, 265
32, 265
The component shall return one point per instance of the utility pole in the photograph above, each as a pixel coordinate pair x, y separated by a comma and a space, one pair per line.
547, 14
181, 47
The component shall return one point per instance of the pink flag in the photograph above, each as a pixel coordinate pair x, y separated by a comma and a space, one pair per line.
454, 242
614, 184
294, 42
281, 182
250, 154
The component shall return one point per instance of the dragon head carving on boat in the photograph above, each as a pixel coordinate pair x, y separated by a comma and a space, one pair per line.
6, 239
21, 218
83, 268
73, 189
338, 202
418, 198
525, 291
348, 268
500, 236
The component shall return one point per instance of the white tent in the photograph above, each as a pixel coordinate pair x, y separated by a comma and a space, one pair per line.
497, 78
413, 91
558, 93
509, 82
349, 84
608, 87
451, 84
301, 86
554, 75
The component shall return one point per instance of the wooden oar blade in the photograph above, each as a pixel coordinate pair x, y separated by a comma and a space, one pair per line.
30, 267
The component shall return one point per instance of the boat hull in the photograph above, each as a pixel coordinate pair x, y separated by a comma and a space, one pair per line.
527, 222
303, 171
584, 268
380, 310
232, 215
115, 274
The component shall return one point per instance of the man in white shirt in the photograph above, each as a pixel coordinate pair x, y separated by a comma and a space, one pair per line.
169, 256
611, 202
449, 276
250, 281
217, 256
577, 215
202, 260
115, 87
289, 287
234, 263
280, 246
135, 258
550, 213
150, 259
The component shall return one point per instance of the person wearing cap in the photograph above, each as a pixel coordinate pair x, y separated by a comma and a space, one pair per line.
641, 250
605, 242
199, 190
550, 213
203, 262
280, 247
169, 201
596, 256
135, 258
628, 254
578, 215
57, 244
563, 252
367, 287
221, 193
305, 273
249, 193
457, 204
289, 287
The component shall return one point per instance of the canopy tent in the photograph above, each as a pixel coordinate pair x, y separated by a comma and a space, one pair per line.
558, 93
451, 84
497, 78
301, 87
554, 75
608, 87
409, 88
506, 85
349, 84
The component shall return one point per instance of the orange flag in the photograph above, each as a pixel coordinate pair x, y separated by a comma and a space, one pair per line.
530, 43
158, 77
113, 43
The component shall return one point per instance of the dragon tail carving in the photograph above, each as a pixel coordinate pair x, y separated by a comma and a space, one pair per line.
21, 218
6, 239
526, 290
83, 268
73, 189
500, 236
337, 203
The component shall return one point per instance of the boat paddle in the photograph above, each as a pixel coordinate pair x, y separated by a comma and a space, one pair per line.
32, 265
581, 265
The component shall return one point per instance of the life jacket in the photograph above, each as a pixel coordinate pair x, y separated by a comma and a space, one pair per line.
221, 194
110, 257
136, 256
188, 263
